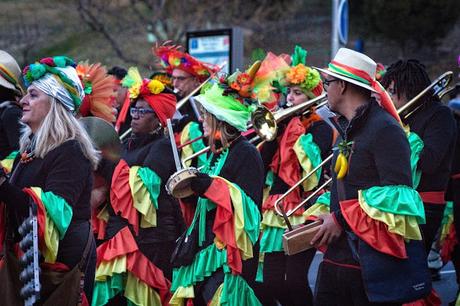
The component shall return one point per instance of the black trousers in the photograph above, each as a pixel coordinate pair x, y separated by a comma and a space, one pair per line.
341, 286
433, 216
286, 279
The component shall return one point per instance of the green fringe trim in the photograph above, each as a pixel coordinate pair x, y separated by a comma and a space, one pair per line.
206, 262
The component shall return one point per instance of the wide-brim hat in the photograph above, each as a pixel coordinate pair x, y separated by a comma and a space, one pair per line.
10, 73
358, 65
225, 107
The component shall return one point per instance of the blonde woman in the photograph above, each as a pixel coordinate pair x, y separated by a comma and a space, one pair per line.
54, 175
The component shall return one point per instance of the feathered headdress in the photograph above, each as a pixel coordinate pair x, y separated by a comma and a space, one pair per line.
307, 78
171, 58
98, 86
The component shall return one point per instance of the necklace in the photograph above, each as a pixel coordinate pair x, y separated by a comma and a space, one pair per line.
26, 157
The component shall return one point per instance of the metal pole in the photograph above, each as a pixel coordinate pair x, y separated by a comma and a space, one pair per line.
335, 28
173, 145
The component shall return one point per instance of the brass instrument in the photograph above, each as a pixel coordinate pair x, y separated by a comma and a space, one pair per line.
104, 137
301, 204
440, 86
265, 122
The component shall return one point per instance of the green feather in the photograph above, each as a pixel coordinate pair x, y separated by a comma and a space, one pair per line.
299, 56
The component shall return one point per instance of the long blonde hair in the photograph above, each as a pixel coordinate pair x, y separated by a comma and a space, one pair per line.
221, 131
58, 127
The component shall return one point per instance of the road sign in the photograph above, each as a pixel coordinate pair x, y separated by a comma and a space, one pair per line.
343, 21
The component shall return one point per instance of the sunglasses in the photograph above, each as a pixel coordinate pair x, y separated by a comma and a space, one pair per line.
139, 112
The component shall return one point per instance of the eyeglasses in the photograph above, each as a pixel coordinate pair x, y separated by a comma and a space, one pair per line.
327, 82
139, 112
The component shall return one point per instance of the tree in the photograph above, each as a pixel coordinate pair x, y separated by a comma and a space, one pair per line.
405, 22
170, 20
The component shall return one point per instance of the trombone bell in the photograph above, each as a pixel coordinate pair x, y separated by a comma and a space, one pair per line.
264, 123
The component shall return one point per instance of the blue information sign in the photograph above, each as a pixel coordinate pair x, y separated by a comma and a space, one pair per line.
343, 21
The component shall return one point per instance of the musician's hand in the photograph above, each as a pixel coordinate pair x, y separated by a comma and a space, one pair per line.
328, 231
200, 183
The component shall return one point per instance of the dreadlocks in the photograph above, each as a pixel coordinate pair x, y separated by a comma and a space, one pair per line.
409, 77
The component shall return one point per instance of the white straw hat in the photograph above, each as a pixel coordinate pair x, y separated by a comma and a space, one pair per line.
357, 65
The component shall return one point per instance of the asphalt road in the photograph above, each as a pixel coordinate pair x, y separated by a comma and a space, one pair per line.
446, 286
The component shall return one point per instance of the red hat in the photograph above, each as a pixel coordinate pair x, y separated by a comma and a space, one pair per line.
171, 58
164, 104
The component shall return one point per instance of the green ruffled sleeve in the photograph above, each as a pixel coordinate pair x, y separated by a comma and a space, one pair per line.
58, 210
195, 132
152, 182
324, 199
396, 199
416, 147
312, 151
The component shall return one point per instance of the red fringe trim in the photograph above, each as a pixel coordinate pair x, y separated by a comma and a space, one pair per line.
288, 203
188, 211
432, 299
146, 271
285, 163
98, 225
41, 216
223, 226
121, 244
57, 266
448, 244
120, 195
373, 232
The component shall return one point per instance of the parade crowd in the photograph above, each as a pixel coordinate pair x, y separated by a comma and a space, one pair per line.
190, 186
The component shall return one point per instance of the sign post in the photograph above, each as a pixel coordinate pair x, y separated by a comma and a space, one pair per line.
339, 31
217, 46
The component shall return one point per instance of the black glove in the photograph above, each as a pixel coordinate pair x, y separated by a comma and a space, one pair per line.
200, 183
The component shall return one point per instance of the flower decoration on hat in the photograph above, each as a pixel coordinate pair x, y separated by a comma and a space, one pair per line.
98, 87
152, 91
239, 85
172, 58
163, 77
37, 70
307, 78
141, 87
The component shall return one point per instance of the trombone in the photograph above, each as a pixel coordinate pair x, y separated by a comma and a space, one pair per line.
440, 86
265, 122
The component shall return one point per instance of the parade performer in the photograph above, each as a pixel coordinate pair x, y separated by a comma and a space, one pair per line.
187, 73
451, 247
374, 250
143, 221
302, 142
218, 260
98, 102
434, 124
54, 175
11, 91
